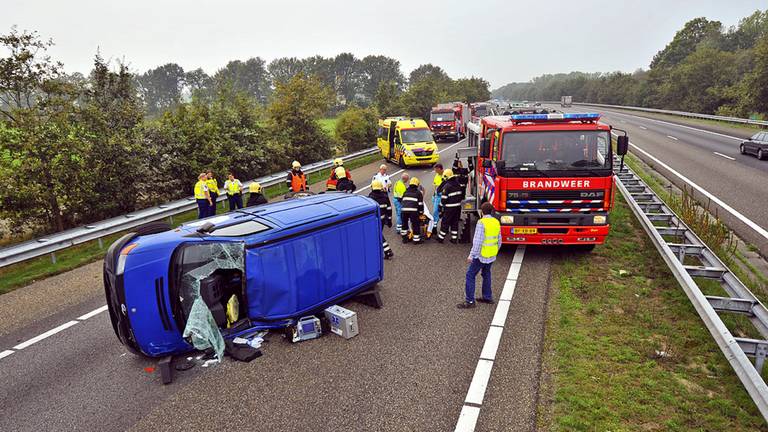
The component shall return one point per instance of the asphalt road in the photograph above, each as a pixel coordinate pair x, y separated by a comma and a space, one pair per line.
707, 155
410, 368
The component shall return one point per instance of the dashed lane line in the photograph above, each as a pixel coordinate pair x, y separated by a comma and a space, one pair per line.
679, 125
671, 137
103, 308
725, 156
757, 228
470, 411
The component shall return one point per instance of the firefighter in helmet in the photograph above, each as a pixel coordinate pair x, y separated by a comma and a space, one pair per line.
450, 207
255, 196
413, 209
296, 180
331, 183
380, 195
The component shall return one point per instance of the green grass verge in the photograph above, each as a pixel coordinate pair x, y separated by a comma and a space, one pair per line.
604, 331
24, 273
329, 125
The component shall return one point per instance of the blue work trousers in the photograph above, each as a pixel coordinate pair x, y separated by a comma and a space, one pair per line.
398, 213
235, 201
436, 208
202, 208
474, 268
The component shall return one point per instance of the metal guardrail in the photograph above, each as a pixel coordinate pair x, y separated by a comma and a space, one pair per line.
678, 113
680, 247
96, 231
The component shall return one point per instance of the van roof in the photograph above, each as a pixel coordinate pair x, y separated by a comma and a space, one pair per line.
404, 122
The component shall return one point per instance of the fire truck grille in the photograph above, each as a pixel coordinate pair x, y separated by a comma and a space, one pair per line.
555, 201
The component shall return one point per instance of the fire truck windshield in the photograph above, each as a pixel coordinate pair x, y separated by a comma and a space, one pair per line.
556, 151
416, 135
441, 116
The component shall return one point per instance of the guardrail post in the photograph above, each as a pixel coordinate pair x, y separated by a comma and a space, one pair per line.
170, 219
101, 243
53, 257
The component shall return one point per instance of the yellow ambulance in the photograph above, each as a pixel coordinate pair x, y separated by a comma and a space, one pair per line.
406, 141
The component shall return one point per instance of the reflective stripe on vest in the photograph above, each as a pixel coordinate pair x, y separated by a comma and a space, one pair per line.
233, 188
298, 182
491, 241
199, 192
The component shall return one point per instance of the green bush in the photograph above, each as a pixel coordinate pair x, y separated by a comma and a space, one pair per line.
356, 128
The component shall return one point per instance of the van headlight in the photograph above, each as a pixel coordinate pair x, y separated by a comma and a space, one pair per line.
408, 153
599, 220
507, 219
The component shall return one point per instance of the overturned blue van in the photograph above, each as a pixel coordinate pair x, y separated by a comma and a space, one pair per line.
257, 268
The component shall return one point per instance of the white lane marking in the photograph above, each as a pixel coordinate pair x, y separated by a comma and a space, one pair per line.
6, 353
92, 313
680, 126
492, 340
500, 316
643, 128
725, 156
760, 230
476, 393
514, 271
467, 419
480, 379
47, 334
671, 137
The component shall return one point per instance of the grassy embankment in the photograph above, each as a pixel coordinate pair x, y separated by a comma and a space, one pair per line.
24, 273
626, 350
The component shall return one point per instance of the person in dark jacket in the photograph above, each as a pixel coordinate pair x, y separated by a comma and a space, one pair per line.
255, 196
344, 183
379, 195
450, 207
413, 208
462, 175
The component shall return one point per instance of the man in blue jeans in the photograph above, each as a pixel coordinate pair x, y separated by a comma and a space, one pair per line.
485, 246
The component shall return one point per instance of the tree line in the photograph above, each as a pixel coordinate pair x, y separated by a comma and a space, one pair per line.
706, 68
76, 149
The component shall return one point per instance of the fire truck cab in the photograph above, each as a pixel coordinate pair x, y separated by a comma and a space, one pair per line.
548, 175
448, 120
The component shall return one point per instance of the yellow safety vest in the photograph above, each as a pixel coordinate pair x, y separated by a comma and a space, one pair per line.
199, 192
491, 241
233, 187
213, 186
438, 180
399, 189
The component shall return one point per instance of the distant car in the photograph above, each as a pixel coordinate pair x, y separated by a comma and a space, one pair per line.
757, 145
257, 268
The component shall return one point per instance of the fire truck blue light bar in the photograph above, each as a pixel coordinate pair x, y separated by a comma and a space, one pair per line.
552, 117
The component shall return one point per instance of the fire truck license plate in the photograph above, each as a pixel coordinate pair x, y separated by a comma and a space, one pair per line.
524, 230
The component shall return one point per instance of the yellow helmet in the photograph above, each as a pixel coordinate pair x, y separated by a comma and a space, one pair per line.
295, 165
338, 162
414, 181
340, 172
377, 185
254, 188
448, 173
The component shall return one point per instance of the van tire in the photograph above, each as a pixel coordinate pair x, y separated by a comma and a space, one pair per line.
401, 162
152, 228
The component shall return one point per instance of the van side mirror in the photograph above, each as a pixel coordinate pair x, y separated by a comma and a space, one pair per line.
485, 148
622, 145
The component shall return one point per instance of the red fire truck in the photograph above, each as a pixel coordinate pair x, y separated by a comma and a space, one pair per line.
449, 120
548, 175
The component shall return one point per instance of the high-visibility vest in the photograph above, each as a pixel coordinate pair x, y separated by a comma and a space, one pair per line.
233, 187
491, 241
199, 189
213, 186
438, 180
298, 182
399, 189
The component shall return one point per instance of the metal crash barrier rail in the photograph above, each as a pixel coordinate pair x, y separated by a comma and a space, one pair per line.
678, 113
97, 230
689, 258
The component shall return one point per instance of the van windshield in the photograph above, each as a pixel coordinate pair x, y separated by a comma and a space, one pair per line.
441, 116
416, 135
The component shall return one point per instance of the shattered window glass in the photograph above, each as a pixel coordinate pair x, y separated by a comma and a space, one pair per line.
199, 262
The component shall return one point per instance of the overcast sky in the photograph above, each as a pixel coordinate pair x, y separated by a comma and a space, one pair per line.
501, 41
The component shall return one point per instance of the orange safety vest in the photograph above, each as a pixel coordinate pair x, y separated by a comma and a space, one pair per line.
298, 182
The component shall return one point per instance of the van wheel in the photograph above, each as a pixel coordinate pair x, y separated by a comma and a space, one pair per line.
761, 154
401, 162
741, 149
152, 228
